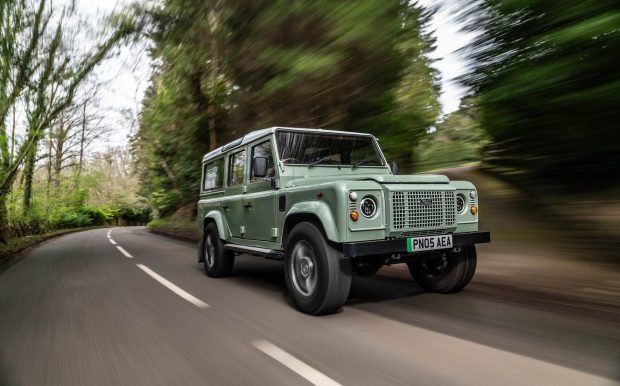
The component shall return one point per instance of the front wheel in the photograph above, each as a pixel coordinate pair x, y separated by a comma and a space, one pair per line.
446, 273
317, 276
217, 260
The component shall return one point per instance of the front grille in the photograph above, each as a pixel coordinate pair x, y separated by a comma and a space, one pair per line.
421, 209
430, 232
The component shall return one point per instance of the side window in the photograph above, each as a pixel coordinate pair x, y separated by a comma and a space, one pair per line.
263, 150
236, 168
213, 175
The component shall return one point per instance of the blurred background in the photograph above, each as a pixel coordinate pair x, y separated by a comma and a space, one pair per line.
106, 109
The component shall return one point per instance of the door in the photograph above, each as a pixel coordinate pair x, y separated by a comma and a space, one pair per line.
232, 203
260, 201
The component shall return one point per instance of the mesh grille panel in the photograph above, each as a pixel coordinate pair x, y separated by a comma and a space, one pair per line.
420, 209
430, 232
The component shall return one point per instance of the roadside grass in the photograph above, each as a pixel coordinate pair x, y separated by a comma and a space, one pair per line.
181, 228
18, 245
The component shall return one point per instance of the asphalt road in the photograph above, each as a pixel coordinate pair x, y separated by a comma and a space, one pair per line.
77, 310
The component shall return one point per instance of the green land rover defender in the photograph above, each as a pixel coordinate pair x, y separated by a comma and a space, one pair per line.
329, 205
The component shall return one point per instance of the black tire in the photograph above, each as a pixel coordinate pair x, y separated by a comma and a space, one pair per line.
448, 273
222, 261
329, 270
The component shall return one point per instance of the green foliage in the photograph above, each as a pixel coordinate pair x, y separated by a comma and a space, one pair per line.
156, 222
548, 88
457, 140
67, 218
226, 68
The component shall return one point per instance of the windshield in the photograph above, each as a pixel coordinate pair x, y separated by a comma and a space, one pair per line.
327, 149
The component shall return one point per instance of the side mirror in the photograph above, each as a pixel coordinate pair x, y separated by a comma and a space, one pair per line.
394, 168
259, 166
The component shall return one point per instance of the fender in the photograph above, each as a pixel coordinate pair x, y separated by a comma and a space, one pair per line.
220, 222
320, 210
462, 185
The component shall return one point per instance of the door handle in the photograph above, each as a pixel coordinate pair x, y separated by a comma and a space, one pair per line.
247, 205
226, 206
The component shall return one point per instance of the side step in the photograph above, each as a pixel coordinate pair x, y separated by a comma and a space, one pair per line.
264, 252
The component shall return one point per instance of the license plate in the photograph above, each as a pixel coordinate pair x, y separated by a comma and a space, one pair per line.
428, 243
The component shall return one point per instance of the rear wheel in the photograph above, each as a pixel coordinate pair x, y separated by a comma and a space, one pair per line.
446, 273
317, 276
217, 260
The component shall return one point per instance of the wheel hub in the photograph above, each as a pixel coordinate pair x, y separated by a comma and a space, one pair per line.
306, 267
303, 268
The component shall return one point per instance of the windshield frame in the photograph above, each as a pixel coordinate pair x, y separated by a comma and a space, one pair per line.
329, 133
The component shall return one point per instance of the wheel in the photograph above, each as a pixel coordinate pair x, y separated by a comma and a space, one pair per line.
449, 272
317, 276
217, 260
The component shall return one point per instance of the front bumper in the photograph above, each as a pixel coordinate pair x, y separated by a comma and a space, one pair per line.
388, 247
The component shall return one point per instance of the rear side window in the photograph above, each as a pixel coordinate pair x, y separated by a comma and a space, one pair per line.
236, 168
213, 175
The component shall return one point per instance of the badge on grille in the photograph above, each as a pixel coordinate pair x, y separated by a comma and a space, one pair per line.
426, 201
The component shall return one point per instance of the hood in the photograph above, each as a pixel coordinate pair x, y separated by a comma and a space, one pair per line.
408, 179
379, 178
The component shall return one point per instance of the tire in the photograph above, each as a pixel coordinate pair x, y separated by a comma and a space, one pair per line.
318, 277
449, 273
217, 260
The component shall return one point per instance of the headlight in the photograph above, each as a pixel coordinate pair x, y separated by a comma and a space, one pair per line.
472, 194
368, 206
460, 203
353, 196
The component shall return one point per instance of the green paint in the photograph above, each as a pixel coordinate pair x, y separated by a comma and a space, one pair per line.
247, 211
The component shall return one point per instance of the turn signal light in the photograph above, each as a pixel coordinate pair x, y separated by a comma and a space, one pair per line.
354, 215
473, 210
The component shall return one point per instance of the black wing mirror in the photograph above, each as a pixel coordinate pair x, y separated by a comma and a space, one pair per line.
394, 168
260, 166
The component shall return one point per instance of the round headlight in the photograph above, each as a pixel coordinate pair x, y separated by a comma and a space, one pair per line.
368, 206
472, 194
353, 196
460, 203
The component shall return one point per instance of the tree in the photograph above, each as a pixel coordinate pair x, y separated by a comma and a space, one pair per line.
227, 68
548, 89
457, 139
36, 78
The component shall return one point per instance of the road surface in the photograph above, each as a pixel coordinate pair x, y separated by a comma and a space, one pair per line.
123, 306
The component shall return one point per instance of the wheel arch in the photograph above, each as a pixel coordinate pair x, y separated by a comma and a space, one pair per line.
216, 217
312, 211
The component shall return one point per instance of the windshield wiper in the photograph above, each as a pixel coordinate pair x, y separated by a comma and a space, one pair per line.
358, 163
324, 159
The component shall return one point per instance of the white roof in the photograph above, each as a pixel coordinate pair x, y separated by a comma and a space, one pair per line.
256, 134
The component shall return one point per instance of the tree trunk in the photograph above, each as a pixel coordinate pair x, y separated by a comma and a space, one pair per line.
211, 110
81, 158
4, 226
58, 152
28, 174
49, 172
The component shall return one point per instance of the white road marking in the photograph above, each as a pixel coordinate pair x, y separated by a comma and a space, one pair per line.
124, 252
112, 241
311, 375
109, 236
172, 287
